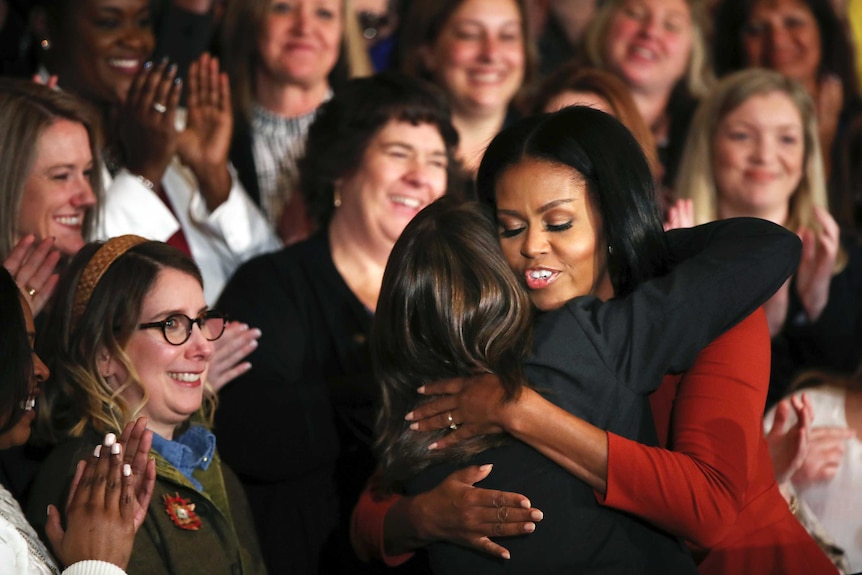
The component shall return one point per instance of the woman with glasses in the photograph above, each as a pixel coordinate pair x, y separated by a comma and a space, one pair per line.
129, 335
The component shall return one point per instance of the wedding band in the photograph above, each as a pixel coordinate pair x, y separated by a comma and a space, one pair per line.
159, 107
31, 291
452, 425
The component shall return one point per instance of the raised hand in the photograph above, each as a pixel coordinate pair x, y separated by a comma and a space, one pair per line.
147, 120
788, 446
826, 447
100, 510
680, 215
138, 440
457, 512
819, 252
32, 264
237, 341
205, 143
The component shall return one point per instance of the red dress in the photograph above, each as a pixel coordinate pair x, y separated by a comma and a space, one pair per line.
714, 484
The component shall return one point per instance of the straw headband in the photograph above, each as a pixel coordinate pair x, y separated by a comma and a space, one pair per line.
96, 268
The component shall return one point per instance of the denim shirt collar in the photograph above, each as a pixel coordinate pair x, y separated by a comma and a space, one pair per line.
192, 450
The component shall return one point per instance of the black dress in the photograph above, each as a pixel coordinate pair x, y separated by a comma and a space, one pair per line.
600, 361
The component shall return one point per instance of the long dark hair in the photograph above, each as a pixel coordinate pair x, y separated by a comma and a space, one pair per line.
449, 306
16, 357
619, 182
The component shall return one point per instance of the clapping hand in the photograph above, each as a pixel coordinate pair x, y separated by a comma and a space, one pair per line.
107, 501
147, 122
205, 143
237, 341
32, 264
819, 252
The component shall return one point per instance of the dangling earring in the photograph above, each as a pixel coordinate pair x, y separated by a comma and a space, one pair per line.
336, 198
45, 44
610, 249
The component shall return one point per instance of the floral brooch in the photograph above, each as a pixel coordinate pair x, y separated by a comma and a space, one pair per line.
182, 512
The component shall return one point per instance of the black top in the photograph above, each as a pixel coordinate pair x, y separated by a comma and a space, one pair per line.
600, 361
297, 428
833, 342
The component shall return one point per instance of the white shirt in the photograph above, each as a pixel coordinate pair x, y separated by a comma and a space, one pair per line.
23, 553
836, 503
219, 241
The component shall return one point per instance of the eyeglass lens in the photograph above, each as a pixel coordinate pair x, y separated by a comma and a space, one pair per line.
178, 327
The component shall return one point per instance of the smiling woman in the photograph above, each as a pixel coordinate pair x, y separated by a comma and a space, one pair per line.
111, 365
379, 151
49, 186
480, 53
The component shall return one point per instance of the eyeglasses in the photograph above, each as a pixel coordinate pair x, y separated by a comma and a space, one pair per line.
177, 328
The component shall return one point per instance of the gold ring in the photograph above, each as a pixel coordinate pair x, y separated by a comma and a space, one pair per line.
31, 291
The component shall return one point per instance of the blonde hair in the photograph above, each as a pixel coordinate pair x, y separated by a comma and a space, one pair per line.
698, 77
696, 179
27, 109
243, 21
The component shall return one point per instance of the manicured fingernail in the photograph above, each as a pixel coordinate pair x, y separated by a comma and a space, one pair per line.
115, 449
110, 439
253, 343
486, 467
164, 60
432, 446
529, 527
48, 510
421, 389
127, 470
506, 555
537, 515
172, 69
414, 426
526, 504
256, 332
148, 64
409, 416
98, 451
178, 81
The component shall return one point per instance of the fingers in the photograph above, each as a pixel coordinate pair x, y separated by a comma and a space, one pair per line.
434, 415
144, 487
443, 387
487, 546
779, 422
101, 482
53, 528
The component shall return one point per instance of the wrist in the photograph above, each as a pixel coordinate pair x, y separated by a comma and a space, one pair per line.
215, 185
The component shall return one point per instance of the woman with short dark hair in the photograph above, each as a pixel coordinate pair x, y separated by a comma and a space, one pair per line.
379, 151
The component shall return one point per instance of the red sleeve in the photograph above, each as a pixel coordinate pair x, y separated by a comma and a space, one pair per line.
696, 491
366, 528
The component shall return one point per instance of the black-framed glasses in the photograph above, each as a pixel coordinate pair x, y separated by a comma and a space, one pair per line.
177, 328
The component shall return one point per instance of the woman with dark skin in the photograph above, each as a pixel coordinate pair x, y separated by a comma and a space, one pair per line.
555, 237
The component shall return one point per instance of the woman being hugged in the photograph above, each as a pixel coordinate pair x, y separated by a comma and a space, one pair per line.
131, 334
586, 243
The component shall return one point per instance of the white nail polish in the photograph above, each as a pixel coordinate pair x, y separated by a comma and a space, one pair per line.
127, 470
110, 439
98, 451
115, 449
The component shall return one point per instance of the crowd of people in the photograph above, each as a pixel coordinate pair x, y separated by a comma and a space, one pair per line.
430, 286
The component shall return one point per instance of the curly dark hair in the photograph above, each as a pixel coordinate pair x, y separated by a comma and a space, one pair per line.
346, 124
